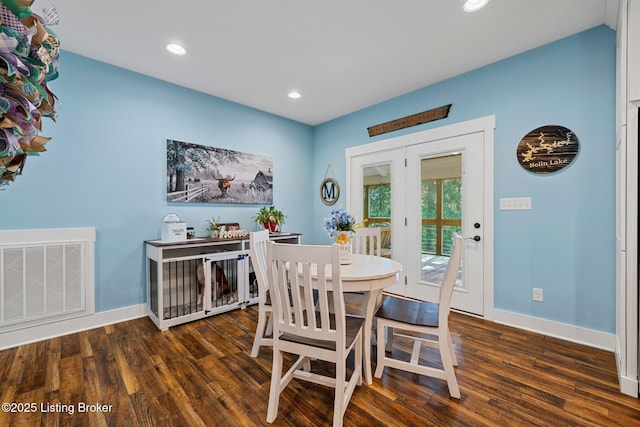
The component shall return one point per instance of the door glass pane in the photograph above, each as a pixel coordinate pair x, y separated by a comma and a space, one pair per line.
452, 203
447, 235
377, 202
441, 184
451, 212
429, 199
429, 237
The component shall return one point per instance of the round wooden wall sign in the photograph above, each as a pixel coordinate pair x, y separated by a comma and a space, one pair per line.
547, 149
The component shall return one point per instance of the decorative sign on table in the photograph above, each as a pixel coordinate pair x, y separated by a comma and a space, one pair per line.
408, 121
547, 149
231, 231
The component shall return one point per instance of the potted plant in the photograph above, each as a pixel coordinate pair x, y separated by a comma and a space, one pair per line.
271, 218
214, 226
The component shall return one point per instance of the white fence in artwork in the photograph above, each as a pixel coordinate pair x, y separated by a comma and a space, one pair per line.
189, 194
45, 276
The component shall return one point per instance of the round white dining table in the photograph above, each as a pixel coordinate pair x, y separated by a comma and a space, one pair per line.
369, 275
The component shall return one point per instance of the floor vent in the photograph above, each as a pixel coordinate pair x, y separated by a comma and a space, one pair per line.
45, 276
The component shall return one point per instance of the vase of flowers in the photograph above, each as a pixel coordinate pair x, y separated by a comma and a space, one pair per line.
340, 226
214, 226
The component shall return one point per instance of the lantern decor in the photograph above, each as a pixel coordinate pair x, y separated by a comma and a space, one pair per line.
29, 54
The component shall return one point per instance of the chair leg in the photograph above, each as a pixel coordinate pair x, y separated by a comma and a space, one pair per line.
389, 339
338, 403
454, 359
359, 364
269, 330
447, 364
415, 353
274, 391
380, 350
257, 339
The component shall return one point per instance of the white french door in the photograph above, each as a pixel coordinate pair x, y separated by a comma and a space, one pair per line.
385, 171
437, 182
432, 218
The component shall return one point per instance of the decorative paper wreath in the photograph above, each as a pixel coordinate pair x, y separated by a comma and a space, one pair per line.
29, 54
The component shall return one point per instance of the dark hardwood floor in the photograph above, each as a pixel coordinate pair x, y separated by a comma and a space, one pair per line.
201, 374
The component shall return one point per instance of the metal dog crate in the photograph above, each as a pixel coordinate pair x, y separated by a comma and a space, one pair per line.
175, 295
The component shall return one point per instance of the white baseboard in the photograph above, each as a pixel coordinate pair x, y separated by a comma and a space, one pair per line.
56, 329
588, 337
628, 386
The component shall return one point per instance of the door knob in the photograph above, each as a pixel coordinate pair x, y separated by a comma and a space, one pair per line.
476, 238
476, 225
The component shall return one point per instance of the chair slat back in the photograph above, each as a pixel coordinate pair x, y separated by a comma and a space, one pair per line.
367, 241
449, 279
298, 270
385, 237
258, 249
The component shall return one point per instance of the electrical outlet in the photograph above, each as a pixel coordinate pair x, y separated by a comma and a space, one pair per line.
537, 294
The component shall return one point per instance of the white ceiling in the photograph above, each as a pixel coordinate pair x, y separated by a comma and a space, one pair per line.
342, 55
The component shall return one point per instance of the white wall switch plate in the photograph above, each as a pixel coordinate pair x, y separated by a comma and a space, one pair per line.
538, 295
515, 204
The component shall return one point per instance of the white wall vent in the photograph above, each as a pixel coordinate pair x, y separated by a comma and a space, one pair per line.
45, 276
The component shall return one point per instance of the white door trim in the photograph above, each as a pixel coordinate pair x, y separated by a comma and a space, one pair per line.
487, 126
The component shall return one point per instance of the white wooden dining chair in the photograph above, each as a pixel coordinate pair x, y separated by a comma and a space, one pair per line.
258, 249
309, 329
413, 319
367, 241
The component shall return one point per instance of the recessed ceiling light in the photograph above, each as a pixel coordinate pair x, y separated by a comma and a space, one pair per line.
294, 95
176, 49
473, 5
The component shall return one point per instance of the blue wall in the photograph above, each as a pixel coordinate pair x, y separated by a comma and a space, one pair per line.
106, 166
566, 243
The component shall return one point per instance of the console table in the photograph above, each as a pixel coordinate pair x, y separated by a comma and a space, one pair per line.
173, 294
